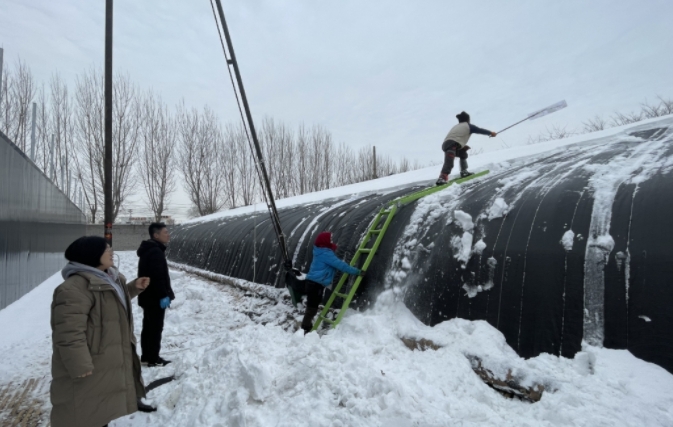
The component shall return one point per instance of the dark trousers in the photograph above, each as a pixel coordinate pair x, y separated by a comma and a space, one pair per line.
314, 294
150, 337
451, 150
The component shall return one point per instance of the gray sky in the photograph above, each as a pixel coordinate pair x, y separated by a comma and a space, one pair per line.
388, 73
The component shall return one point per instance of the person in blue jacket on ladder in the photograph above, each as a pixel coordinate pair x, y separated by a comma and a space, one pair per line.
321, 274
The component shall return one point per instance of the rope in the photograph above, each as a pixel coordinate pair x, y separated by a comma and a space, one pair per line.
274, 218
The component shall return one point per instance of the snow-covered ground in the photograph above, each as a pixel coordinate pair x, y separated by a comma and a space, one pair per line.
239, 362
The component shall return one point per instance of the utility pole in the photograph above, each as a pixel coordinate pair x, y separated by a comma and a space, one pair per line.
374, 170
52, 174
32, 134
1, 55
108, 122
61, 186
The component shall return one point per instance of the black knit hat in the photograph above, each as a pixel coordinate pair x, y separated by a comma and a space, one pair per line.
86, 250
463, 117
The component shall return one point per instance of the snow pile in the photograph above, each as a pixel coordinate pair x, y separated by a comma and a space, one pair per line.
567, 240
498, 209
415, 239
462, 246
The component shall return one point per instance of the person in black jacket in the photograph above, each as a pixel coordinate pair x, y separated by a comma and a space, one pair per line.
158, 295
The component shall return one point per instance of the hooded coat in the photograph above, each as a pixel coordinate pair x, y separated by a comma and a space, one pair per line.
92, 331
152, 263
325, 263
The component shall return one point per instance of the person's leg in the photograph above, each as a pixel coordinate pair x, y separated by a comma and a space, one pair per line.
462, 154
314, 294
150, 338
449, 154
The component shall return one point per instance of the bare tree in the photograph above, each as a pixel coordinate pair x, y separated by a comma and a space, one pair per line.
318, 153
126, 120
553, 133
157, 160
90, 144
285, 173
42, 131
199, 140
61, 116
7, 104
248, 171
18, 92
228, 157
302, 163
405, 166
620, 119
650, 110
342, 160
89, 141
595, 124
666, 105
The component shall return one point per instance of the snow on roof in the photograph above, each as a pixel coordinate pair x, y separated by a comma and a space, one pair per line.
493, 160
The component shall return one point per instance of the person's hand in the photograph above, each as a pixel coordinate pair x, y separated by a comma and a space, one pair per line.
362, 273
86, 375
165, 302
142, 283
493, 134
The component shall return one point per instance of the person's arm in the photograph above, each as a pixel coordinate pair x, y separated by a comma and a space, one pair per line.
334, 261
158, 268
69, 314
480, 131
137, 286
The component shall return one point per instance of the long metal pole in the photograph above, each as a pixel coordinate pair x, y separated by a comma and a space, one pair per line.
108, 122
2, 53
374, 170
271, 201
32, 134
52, 174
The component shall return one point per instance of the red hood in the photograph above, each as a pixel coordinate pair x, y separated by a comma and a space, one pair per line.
324, 240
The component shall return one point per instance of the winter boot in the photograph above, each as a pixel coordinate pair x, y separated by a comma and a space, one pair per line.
307, 323
463, 169
158, 362
443, 179
143, 407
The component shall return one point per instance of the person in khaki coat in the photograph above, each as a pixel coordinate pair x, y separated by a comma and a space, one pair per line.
95, 368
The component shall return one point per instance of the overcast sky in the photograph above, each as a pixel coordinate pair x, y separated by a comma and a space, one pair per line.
387, 73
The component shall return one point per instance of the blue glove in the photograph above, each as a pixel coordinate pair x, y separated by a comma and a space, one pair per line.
165, 302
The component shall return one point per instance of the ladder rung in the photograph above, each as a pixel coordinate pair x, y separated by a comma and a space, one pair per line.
339, 294
325, 319
384, 212
364, 251
377, 231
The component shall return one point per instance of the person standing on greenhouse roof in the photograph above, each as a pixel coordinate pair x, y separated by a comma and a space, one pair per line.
455, 144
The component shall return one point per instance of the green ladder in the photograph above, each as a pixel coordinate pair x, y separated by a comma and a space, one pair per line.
375, 233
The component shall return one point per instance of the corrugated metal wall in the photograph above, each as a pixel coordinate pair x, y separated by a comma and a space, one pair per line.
37, 223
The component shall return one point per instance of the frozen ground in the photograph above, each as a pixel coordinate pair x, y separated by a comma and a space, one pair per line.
238, 362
